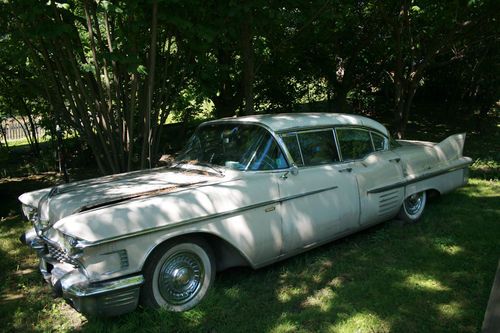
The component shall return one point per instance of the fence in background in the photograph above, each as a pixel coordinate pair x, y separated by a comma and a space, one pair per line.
14, 131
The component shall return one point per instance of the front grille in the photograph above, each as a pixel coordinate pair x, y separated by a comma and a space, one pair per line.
59, 255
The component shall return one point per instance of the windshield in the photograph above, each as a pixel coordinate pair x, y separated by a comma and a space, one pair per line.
236, 146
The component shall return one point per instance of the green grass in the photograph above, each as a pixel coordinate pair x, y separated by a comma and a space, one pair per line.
434, 276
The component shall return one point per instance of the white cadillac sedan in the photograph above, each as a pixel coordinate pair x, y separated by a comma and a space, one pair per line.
245, 191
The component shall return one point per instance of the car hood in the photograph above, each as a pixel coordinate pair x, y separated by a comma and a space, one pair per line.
216, 199
64, 200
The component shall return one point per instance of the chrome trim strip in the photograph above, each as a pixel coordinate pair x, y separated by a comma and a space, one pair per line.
85, 244
291, 197
104, 287
356, 126
417, 179
337, 145
300, 149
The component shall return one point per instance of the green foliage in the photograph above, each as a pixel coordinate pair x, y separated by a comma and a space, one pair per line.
87, 65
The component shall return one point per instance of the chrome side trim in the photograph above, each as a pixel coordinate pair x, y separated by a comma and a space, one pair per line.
419, 178
291, 197
85, 244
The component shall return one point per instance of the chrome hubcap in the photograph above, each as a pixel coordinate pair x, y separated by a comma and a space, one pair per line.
181, 277
414, 203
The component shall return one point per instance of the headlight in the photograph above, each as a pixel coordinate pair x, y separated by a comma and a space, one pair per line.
29, 211
71, 244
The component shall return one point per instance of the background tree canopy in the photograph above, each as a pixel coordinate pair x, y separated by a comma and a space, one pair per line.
113, 71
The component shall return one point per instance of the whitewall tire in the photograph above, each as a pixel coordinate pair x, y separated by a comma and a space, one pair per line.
413, 207
178, 275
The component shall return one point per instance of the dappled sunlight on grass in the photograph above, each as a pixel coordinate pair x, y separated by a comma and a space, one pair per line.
434, 275
446, 245
420, 281
287, 293
232, 292
50, 318
478, 188
450, 249
452, 310
321, 299
284, 327
37, 311
193, 318
361, 322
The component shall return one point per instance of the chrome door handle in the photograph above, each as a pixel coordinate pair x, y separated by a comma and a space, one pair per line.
395, 160
345, 170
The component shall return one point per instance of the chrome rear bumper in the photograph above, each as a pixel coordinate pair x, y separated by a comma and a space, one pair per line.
103, 298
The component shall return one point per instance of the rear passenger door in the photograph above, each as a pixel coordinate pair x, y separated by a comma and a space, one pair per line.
365, 153
321, 201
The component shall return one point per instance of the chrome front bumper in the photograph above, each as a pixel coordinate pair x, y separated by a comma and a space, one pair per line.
108, 298
104, 298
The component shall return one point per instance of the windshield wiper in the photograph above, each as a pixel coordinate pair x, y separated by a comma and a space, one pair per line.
208, 165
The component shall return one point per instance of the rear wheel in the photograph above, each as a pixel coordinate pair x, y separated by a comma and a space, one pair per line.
178, 275
413, 207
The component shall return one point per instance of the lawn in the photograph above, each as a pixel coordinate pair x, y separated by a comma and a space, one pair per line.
432, 276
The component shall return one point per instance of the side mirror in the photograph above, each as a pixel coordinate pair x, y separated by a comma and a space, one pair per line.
294, 169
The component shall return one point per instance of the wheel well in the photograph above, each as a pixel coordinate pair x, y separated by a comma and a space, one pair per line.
433, 193
430, 192
226, 255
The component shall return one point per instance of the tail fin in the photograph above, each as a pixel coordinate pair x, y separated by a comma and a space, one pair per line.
451, 148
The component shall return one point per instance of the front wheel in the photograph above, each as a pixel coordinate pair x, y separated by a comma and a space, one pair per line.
178, 275
413, 207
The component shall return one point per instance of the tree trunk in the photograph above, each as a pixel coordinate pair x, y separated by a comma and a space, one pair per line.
248, 63
227, 99
4, 134
399, 77
147, 136
31, 128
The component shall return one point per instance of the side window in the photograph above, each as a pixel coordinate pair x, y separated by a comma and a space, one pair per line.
354, 143
312, 148
268, 156
379, 141
292, 144
318, 147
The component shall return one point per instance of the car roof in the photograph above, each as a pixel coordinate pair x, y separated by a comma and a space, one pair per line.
282, 122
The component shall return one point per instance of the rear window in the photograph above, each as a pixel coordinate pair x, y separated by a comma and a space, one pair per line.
379, 142
354, 143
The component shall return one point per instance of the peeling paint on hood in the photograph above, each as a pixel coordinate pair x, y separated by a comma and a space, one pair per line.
64, 200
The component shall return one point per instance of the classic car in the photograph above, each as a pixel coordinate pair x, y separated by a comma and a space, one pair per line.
245, 191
